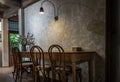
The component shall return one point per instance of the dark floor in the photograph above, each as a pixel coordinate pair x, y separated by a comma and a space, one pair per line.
6, 75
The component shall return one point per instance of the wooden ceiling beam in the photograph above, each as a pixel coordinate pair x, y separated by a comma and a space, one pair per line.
18, 3
27, 3
10, 12
9, 3
13, 6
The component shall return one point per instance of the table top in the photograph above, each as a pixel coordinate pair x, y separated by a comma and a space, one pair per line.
70, 56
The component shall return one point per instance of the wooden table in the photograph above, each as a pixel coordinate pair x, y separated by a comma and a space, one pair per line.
75, 57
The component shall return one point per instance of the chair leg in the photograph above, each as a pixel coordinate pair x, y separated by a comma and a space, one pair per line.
36, 77
16, 77
13, 73
67, 77
19, 75
79, 76
39, 78
47, 72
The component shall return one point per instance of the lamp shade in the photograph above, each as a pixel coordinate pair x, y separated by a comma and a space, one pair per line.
41, 10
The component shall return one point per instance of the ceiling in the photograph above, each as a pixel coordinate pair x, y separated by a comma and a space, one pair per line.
13, 4
2, 9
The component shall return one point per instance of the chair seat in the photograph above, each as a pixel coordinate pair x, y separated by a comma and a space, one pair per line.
69, 67
41, 66
27, 64
61, 68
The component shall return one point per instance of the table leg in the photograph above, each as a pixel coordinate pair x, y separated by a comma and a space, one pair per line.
73, 72
91, 71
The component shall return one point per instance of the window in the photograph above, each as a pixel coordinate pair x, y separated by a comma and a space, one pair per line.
13, 33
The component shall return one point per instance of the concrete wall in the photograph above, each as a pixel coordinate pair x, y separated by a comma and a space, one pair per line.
0, 54
81, 23
5, 51
0, 45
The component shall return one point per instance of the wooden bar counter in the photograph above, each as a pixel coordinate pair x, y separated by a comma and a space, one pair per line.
73, 58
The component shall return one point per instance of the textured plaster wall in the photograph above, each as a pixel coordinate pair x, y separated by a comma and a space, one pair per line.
0, 54
81, 23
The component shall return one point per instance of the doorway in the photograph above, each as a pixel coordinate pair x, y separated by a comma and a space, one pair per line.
13, 34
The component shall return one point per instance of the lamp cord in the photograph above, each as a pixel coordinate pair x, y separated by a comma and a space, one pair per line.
55, 12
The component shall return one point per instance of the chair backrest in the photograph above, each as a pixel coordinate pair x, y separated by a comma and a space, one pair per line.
37, 55
57, 59
16, 57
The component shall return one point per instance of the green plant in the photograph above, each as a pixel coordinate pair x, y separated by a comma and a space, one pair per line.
26, 40
14, 41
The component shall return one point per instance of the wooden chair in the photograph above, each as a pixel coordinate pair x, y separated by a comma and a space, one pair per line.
19, 66
40, 69
58, 65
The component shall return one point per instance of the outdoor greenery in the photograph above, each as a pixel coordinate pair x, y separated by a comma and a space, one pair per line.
14, 41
